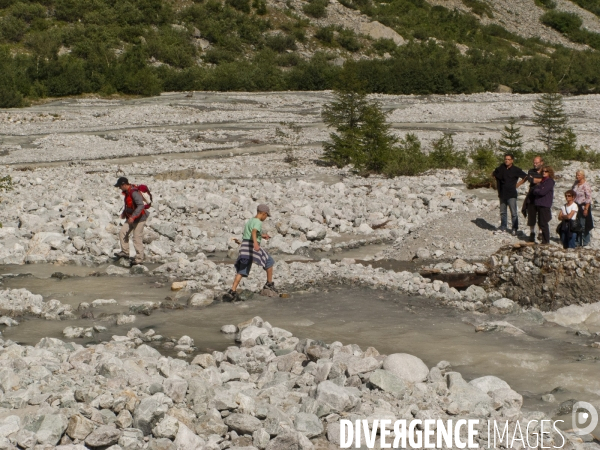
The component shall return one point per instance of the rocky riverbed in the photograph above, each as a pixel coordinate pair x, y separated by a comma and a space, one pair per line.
275, 391
209, 161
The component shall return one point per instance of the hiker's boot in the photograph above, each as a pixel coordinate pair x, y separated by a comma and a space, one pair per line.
271, 287
121, 254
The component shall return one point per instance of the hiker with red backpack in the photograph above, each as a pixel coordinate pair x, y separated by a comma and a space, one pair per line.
137, 201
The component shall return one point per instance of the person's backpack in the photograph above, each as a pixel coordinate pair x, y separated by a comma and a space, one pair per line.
146, 194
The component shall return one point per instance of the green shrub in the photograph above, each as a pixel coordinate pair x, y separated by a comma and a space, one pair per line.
407, 159
288, 60
28, 11
347, 39
219, 56
280, 42
260, 6
444, 156
325, 35
12, 29
484, 159
561, 21
316, 8
383, 46
240, 5
10, 97
591, 5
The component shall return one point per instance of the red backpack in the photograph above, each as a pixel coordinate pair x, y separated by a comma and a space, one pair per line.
146, 194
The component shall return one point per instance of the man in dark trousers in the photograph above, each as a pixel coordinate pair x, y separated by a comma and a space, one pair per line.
507, 176
529, 210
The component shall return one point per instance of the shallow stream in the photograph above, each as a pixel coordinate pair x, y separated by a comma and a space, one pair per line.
546, 358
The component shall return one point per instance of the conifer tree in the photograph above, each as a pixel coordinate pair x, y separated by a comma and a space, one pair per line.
362, 135
344, 114
511, 140
551, 118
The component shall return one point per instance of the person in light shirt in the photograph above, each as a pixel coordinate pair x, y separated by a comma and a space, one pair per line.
583, 199
567, 214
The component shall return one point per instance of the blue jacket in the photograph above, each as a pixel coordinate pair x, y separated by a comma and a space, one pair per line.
543, 193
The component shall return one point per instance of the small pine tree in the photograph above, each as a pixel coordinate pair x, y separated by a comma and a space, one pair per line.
376, 141
345, 115
551, 118
511, 140
362, 136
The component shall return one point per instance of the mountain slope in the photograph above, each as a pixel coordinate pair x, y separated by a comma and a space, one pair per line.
70, 47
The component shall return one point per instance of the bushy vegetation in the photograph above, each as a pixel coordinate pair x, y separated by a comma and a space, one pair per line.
331, 36
591, 5
316, 8
142, 47
485, 157
569, 24
363, 140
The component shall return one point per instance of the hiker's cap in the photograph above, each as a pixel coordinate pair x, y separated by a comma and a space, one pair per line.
121, 181
264, 208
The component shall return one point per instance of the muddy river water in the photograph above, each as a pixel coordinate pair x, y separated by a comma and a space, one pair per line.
546, 358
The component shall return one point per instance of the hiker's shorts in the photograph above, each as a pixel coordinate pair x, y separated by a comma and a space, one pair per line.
243, 269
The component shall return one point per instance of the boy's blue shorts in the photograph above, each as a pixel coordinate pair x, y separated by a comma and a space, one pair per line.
244, 269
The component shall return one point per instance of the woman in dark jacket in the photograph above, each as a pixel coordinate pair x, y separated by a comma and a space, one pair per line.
543, 196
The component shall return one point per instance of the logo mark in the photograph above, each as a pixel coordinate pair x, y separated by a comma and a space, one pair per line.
584, 417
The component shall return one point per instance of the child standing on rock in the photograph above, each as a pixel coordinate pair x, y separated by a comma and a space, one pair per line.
252, 253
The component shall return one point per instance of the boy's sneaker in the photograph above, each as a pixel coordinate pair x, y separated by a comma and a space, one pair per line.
121, 255
271, 287
514, 232
233, 296
532, 237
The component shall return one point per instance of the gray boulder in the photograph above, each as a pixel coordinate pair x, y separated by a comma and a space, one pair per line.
103, 436
290, 441
243, 423
79, 427
252, 333
175, 388
187, 440
308, 424
387, 382
475, 294
407, 367
356, 365
337, 397
51, 428
147, 413
489, 383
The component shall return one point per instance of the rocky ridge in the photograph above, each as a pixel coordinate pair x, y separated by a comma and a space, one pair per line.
275, 392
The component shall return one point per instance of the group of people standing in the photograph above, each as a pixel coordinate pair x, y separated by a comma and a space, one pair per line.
575, 215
